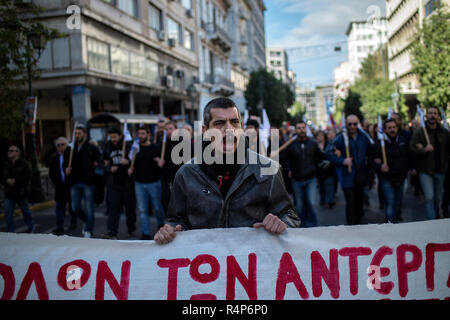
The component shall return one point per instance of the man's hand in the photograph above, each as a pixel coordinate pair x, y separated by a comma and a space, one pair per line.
124, 162
159, 161
68, 171
377, 161
113, 169
337, 152
11, 181
272, 224
290, 174
348, 162
166, 234
429, 148
130, 171
384, 168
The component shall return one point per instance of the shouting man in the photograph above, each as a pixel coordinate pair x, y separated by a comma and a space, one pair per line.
227, 194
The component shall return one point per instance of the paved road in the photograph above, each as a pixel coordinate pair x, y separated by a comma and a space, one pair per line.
412, 211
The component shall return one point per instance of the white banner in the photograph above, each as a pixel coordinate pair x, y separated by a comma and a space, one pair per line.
402, 261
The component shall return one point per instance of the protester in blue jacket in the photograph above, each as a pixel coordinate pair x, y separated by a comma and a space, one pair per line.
352, 171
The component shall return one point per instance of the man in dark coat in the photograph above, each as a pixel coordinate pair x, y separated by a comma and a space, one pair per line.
62, 187
15, 176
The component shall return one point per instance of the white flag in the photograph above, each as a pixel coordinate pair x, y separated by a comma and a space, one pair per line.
390, 112
134, 147
264, 131
444, 119
381, 135
245, 117
126, 133
308, 129
422, 116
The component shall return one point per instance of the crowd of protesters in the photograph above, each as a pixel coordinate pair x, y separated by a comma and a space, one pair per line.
313, 162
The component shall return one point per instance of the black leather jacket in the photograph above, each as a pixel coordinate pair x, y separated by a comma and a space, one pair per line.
197, 203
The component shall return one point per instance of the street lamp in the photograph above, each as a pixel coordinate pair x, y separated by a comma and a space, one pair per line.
38, 42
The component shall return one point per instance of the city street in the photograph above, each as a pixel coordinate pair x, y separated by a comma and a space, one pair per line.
45, 218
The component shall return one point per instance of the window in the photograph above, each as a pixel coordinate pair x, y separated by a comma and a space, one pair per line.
61, 53
188, 40
98, 55
56, 54
151, 72
154, 17
174, 30
120, 61
137, 65
187, 4
128, 6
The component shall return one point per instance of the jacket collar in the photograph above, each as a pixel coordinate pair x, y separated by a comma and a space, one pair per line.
247, 169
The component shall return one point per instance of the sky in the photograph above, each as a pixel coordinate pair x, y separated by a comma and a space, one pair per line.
301, 25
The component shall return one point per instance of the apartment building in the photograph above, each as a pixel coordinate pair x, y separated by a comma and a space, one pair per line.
324, 105
403, 17
125, 56
364, 38
278, 63
247, 17
307, 98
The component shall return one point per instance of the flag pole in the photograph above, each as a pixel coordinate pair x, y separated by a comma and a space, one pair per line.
123, 138
72, 145
163, 149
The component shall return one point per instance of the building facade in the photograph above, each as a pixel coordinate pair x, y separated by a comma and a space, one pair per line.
364, 38
307, 98
248, 48
231, 42
278, 63
324, 105
133, 56
403, 17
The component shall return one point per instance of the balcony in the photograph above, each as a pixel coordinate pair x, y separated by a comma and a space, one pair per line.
217, 35
220, 85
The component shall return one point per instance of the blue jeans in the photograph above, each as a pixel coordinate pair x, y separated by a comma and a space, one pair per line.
432, 187
305, 193
146, 192
393, 197
9, 213
83, 191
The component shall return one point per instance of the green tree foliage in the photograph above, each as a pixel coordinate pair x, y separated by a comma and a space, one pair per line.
431, 59
352, 104
277, 97
373, 91
17, 23
297, 112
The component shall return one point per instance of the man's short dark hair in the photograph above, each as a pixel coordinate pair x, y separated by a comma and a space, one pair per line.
252, 122
222, 103
144, 127
170, 122
299, 122
81, 127
432, 107
114, 130
397, 114
390, 120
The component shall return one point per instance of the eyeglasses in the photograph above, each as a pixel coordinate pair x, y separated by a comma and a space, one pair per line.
354, 124
60, 144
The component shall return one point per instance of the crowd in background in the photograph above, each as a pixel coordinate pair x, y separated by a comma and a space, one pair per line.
138, 182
